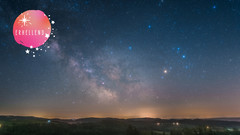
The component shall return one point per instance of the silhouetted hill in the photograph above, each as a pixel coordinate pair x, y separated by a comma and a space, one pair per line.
213, 121
227, 119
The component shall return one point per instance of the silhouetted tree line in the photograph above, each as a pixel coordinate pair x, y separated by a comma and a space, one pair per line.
131, 130
105, 128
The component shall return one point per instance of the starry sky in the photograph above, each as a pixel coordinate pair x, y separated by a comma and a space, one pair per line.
124, 59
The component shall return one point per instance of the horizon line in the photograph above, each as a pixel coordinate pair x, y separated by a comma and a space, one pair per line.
224, 117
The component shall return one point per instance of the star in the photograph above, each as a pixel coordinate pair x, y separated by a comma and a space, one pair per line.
47, 35
183, 56
149, 26
214, 7
130, 48
33, 56
165, 71
31, 47
52, 22
37, 49
27, 51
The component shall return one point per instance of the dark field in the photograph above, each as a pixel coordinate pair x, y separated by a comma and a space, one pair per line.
11, 125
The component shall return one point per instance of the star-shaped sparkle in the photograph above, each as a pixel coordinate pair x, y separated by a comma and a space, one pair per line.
27, 51
24, 20
47, 35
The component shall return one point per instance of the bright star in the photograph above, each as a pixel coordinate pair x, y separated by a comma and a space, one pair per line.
52, 22
183, 56
165, 71
214, 7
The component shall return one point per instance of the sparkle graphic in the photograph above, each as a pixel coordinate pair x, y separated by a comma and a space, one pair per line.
47, 35
27, 51
24, 20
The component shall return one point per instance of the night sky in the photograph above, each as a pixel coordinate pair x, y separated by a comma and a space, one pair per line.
124, 58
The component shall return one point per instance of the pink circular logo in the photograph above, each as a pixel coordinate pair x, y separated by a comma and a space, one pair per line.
31, 28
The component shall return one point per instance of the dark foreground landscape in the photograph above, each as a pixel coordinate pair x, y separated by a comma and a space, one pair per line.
15, 125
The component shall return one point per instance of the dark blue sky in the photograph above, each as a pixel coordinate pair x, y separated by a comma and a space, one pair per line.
136, 58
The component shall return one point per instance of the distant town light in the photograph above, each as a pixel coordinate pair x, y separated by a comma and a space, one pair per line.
176, 123
230, 129
0, 125
207, 127
49, 121
158, 124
